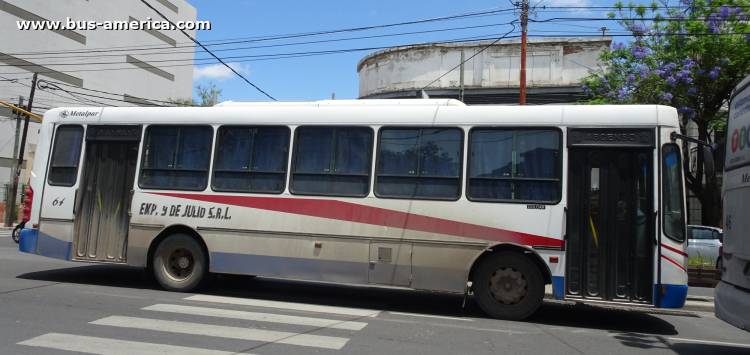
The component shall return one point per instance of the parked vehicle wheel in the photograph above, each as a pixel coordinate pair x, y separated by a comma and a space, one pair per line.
17, 232
719, 263
508, 286
179, 263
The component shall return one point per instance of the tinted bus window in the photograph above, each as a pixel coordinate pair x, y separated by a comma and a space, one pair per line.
420, 163
672, 197
251, 159
176, 157
66, 155
332, 161
514, 165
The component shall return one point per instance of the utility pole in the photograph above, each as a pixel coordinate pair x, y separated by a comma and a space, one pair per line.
461, 89
22, 147
8, 211
603, 29
524, 29
216, 96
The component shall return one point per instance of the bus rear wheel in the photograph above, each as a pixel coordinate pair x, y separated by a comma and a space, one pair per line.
180, 263
508, 286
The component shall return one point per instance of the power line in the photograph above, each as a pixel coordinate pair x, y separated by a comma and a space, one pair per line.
281, 45
263, 57
622, 33
206, 49
591, 19
56, 83
231, 57
475, 54
474, 14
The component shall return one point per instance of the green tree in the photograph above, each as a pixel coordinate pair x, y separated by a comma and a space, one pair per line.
689, 56
205, 93
182, 102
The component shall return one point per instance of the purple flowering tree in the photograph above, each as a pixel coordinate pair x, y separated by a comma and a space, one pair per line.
688, 55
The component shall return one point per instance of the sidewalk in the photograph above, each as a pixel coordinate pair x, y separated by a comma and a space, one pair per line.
700, 299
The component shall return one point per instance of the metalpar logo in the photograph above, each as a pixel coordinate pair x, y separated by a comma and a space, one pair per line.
83, 114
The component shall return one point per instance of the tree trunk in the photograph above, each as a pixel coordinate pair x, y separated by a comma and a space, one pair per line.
708, 193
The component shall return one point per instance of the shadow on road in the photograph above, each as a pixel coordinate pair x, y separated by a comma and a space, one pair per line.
614, 320
648, 342
96, 275
376, 298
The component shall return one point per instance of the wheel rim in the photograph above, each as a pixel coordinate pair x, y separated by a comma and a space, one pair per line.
508, 286
179, 263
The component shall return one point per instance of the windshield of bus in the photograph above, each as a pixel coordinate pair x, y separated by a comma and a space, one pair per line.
738, 131
674, 221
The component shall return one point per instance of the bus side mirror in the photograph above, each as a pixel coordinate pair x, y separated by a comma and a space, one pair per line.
708, 158
708, 161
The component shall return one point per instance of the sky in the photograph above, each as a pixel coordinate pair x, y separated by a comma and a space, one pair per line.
316, 77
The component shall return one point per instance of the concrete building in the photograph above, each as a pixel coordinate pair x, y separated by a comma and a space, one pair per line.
554, 67
125, 66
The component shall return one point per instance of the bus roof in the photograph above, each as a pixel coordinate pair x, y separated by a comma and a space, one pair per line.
375, 112
320, 103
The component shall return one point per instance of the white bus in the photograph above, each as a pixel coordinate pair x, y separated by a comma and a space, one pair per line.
732, 294
420, 194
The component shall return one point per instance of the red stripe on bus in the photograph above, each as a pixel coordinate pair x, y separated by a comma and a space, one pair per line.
678, 251
673, 262
352, 212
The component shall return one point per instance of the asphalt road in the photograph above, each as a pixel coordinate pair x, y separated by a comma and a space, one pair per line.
55, 307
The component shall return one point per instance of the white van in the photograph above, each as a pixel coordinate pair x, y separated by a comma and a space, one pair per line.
733, 292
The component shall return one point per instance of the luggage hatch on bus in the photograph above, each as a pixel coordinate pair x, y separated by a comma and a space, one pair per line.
390, 264
610, 242
105, 191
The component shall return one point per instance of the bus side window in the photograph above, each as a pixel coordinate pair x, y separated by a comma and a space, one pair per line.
332, 161
420, 163
66, 156
251, 159
514, 164
176, 157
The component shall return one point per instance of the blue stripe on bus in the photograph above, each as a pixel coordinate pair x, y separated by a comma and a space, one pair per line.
277, 266
674, 296
28, 241
449, 280
558, 287
53, 247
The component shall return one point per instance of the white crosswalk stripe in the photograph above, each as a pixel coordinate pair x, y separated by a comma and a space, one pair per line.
221, 331
5, 233
104, 346
255, 316
249, 312
285, 305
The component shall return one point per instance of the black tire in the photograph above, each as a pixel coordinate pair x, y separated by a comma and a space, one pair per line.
719, 263
17, 233
504, 301
180, 264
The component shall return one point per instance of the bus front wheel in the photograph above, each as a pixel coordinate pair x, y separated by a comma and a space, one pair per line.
179, 263
508, 286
